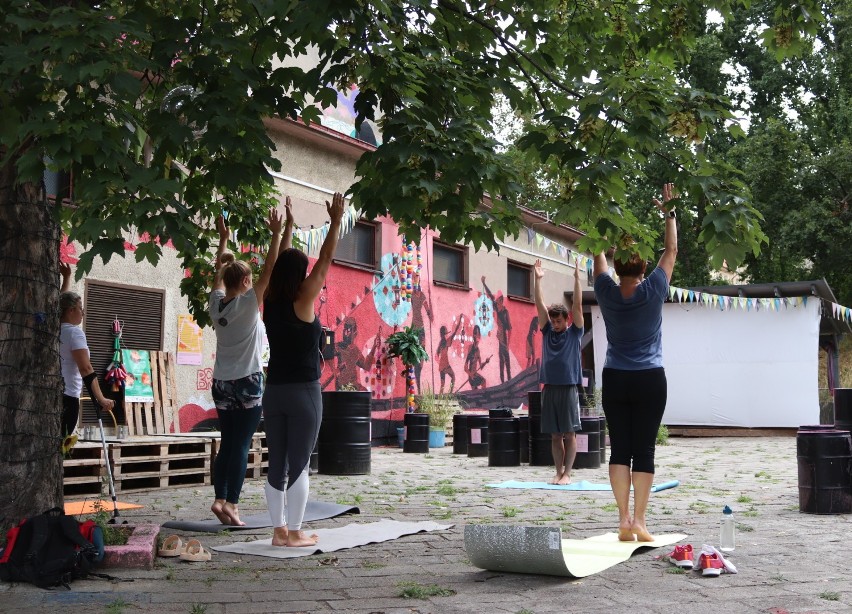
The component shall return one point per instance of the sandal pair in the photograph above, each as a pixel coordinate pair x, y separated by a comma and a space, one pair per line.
191, 551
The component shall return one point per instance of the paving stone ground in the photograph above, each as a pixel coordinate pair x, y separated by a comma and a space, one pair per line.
789, 562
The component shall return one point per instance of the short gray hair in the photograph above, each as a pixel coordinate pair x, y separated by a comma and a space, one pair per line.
67, 302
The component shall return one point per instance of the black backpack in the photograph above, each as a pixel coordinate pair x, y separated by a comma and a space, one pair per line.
50, 550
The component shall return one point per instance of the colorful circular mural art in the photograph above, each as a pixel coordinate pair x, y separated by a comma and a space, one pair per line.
483, 314
386, 292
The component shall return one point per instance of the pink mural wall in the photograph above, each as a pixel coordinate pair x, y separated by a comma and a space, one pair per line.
482, 345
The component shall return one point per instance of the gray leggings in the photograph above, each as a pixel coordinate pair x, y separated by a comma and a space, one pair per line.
292, 414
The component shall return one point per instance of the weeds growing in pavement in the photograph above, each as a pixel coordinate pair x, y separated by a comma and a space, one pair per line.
413, 590
510, 512
744, 499
829, 596
198, 608
117, 606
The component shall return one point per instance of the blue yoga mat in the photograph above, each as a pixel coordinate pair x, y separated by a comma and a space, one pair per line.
581, 485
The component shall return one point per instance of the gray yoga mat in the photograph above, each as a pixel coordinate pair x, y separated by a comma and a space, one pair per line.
332, 540
315, 510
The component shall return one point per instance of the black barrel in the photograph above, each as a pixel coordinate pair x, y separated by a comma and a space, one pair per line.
540, 451
604, 459
824, 461
524, 430
477, 443
504, 441
416, 433
843, 409
343, 446
460, 434
588, 444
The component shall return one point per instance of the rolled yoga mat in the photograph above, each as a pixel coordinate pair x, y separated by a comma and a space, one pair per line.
543, 551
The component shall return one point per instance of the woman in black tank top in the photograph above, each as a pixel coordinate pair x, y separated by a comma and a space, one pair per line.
292, 401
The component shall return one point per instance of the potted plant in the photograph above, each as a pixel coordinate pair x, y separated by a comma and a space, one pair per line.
406, 345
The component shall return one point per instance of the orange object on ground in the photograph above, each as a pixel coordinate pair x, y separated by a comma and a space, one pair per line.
74, 508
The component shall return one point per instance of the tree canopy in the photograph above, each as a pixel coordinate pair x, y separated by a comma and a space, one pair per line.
158, 106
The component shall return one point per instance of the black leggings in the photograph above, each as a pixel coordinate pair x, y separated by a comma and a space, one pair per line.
634, 402
70, 414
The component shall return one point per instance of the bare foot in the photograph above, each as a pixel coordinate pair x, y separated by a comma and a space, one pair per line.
217, 509
555, 479
279, 536
564, 479
641, 532
233, 514
298, 539
625, 531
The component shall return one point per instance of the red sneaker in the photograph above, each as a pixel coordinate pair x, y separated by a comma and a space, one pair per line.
710, 564
682, 556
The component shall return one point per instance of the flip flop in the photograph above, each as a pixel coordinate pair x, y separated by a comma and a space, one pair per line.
172, 546
194, 551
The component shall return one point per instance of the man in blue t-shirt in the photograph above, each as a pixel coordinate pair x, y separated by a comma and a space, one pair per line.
561, 374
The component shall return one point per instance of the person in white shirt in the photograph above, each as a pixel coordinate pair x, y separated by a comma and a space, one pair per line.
74, 357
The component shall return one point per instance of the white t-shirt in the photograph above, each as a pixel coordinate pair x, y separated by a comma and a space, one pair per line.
71, 338
239, 337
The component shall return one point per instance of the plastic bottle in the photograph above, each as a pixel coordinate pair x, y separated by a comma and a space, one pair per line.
728, 532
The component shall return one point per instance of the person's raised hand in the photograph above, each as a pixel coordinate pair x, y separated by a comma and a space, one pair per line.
577, 268
668, 194
65, 270
539, 272
288, 211
275, 221
222, 227
335, 208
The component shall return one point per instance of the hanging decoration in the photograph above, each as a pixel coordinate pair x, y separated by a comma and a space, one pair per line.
115, 373
412, 262
313, 238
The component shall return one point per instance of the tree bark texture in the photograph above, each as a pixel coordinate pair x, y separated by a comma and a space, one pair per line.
30, 377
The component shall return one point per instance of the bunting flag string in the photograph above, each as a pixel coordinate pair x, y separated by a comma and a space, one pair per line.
545, 245
776, 304
313, 238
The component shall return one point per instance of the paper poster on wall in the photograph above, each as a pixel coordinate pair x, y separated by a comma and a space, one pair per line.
190, 341
138, 386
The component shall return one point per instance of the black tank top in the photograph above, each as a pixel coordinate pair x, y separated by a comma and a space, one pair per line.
294, 354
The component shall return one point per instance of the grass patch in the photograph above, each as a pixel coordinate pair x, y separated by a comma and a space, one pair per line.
678, 571
744, 528
510, 512
447, 490
413, 590
744, 499
372, 565
829, 596
663, 435
198, 608
117, 606
609, 507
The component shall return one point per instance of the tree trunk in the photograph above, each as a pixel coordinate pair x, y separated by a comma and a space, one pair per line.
30, 378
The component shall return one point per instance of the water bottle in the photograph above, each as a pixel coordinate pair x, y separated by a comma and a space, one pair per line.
727, 534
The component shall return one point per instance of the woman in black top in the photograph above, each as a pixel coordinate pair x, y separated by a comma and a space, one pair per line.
292, 401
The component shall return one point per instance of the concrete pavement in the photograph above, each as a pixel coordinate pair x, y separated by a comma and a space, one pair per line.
788, 562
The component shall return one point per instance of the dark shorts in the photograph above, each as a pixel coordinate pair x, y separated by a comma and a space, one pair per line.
476, 380
560, 409
236, 394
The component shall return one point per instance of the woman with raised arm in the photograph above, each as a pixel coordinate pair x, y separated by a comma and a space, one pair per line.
76, 367
634, 381
238, 373
292, 403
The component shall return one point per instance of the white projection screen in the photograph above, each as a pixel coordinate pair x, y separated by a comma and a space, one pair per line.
735, 368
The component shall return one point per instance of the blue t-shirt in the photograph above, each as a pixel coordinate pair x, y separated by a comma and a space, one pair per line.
634, 326
560, 356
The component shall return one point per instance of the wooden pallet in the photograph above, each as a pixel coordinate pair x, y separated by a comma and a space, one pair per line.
255, 455
84, 471
159, 417
160, 462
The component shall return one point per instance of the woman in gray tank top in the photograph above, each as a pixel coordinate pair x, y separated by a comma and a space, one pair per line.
238, 373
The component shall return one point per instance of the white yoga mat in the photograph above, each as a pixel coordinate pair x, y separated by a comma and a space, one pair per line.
331, 540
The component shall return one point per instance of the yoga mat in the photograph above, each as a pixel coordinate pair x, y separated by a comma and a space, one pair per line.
332, 540
541, 550
75, 508
581, 485
315, 510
